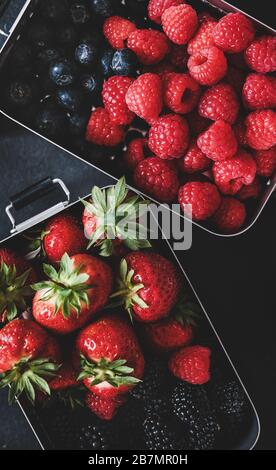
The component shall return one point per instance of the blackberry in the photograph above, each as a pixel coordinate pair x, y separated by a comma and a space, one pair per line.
154, 380
105, 63
50, 121
104, 8
125, 62
86, 54
203, 433
62, 72
93, 437
79, 13
67, 35
158, 435
41, 36
129, 422
159, 405
69, 99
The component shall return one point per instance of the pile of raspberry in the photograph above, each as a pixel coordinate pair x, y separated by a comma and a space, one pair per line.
207, 95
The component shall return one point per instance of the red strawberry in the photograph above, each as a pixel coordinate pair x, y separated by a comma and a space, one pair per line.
203, 37
219, 102
156, 8
208, 66
29, 358
136, 152
194, 160
261, 54
266, 162
179, 23
261, 129
181, 92
148, 286
102, 131
114, 99
219, 141
149, 45
259, 91
204, 199
66, 377
231, 175
63, 234
169, 137
230, 216
117, 30
234, 32
70, 298
111, 359
191, 364
144, 96
104, 408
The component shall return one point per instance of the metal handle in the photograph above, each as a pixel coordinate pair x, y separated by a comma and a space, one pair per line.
29, 195
11, 12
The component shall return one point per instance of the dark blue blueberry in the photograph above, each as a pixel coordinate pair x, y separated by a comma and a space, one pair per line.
106, 62
21, 55
69, 98
104, 8
91, 85
41, 36
67, 35
20, 93
54, 10
78, 123
45, 57
62, 72
79, 13
125, 63
86, 54
50, 121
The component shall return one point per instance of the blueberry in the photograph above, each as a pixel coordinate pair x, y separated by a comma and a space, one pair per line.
69, 98
125, 63
104, 8
50, 121
41, 36
62, 72
86, 54
80, 13
78, 123
106, 62
54, 10
21, 55
46, 56
67, 35
20, 93
91, 85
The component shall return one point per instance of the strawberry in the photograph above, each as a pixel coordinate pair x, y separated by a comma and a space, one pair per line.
110, 356
65, 378
102, 219
191, 364
104, 408
29, 358
72, 295
148, 286
63, 234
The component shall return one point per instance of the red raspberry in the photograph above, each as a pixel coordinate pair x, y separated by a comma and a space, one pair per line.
117, 30
179, 57
136, 152
261, 129
158, 178
259, 91
181, 92
266, 162
236, 78
240, 132
204, 199
102, 131
261, 54
197, 123
203, 37
179, 23
194, 160
156, 8
144, 96
231, 215
218, 142
114, 99
219, 102
169, 137
191, 364
208, 66
234, 32
231, 175
252, 191
149, 45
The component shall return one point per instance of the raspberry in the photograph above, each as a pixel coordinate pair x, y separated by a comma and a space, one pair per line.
219, 102
179, 23
240, 132
234, 32
261, 129
194, 160
208, 66
169, 137
203, 38
114, 94
204, 199
251, 191
261, 54
259, 91
102, 131
156, 8
266, 162
136, 152
218, 142
230, 216
181, 92
144, 97
158, 178
149, 45
117, 30
179, 57
231, 175
197, 123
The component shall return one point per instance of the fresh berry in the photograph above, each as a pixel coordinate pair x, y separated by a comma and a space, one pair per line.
105, 63
77, 123
71, 296
219, 102
156, 8
63, 234
218, 142
90, 84
104, 8
231, 175
86, 54
115, 364
144, 97
261, 129
50, 121
157, 178
62, 72
169, 137
194, 160
117, 30
208, 66
260, 56
234, 32
191, 364
259, 91
158, 435
148, 286
93, 437
251, 191
229, 399
155, 380
149, 45
136, 152
125, 62
66, 378
114, 99
266, 162
231, 215
179, 57
179, 23
181, 92
203, 198
104, 408
69, 98
203, 39
102, 131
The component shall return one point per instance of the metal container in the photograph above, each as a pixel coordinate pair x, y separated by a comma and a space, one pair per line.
21, 24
